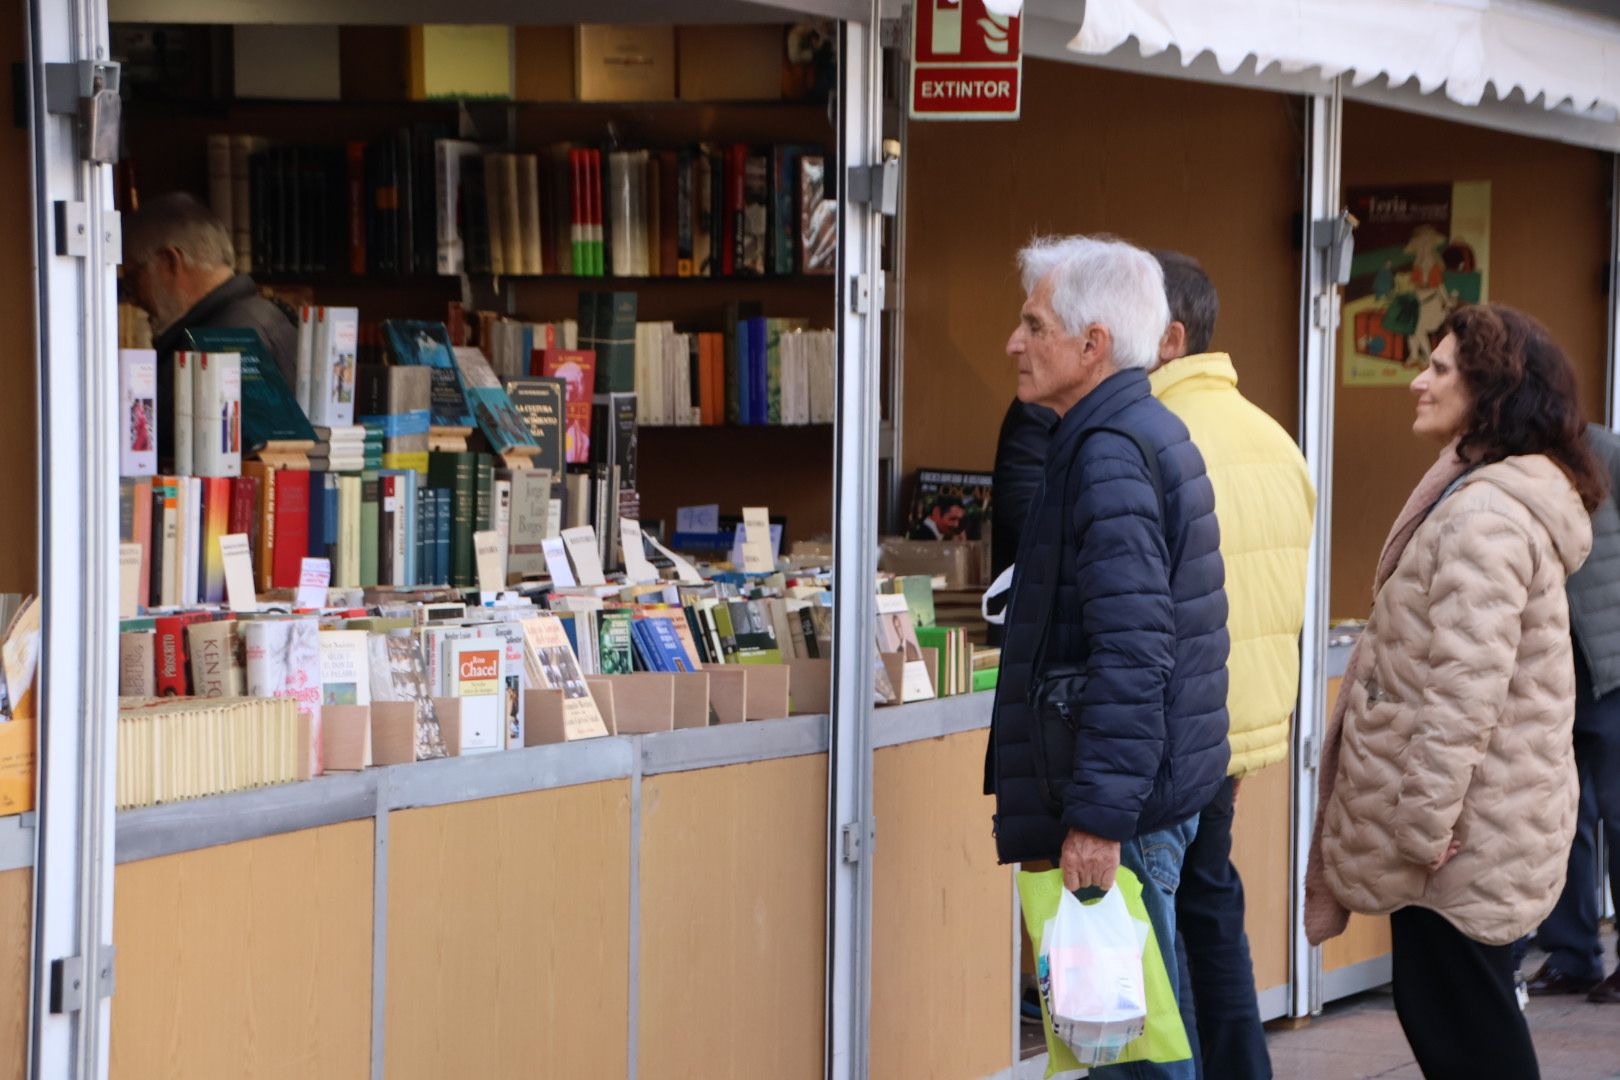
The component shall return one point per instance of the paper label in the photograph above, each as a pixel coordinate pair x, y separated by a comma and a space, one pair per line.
756, 541
683, 569
314, 575
637, 570
581, 541
129, 580
489, 549
556, 553
239, 594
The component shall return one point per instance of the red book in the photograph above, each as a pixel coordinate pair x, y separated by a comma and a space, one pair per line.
732, 219
291, 526
357, 207
173, 671
244, 504
577, 367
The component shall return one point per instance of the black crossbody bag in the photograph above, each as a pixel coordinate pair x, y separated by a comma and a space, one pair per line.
1054, 693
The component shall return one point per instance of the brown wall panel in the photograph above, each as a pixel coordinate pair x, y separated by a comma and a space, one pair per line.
508, 932
1213, 171
248, 959
733, 921
19, 419
942, 994
1549, 248
1260, 851
16, 955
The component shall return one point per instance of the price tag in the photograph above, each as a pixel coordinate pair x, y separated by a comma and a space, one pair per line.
233, 548
698, 519
556, 553
314, 575
587, 557
487, 551
637, 570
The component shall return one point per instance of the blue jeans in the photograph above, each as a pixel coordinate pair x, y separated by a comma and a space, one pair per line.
1217, 975
1156, 858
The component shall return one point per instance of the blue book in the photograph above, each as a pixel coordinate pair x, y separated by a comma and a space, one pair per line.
759, 402
745, 397
441, 540
661, 646
317, 513
427, 344
567, 620
329, 521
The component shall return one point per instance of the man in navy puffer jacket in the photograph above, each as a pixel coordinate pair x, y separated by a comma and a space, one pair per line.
1136, 601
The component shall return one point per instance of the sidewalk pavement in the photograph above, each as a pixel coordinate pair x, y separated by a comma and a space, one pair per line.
1360, 1038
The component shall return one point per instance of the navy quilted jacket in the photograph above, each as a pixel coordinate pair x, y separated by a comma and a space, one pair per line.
1142, 606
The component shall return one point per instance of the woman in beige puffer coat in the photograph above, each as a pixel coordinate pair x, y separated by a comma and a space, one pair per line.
1449, 779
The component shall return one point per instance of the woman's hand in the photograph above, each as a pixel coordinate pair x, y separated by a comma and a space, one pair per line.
1445, 856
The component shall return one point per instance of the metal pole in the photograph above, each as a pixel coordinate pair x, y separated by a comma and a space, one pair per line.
1319, 321
851, 830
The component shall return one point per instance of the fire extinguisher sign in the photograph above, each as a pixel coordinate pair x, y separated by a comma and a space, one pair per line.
966, 63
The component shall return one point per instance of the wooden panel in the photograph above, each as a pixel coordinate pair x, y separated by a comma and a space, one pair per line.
19, 420
1549, 249
1261, 844
16, 955
1212, 171
508, 932
941, 916
1366, 938
733, 921
249, 959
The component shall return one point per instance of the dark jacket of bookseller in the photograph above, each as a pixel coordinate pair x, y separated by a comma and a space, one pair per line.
1142, 605
237, 305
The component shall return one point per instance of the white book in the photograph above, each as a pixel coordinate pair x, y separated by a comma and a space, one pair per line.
304, 365
337, 338
640, 256
168, 586
434, 641
192, 561
345, 668
474, 672
137, 412
216, 410
620, 192
503, 521
184, 363
447, 155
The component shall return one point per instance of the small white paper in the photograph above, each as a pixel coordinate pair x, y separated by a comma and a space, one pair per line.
637, 570
758, 552
556, 553
488, 549
129, 580
314, 575
239, 594
487, 599
683, 569
915, 682
582, 549
698, 519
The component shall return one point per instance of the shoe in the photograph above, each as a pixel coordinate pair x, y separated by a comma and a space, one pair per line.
1521, 991
1549, 981
1607, 992
1029, 1008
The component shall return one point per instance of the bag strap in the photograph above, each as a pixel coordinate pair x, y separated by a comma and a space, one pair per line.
1150, 457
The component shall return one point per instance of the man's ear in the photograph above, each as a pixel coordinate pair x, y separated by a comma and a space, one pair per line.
1096, 341
170, 259
1173, 345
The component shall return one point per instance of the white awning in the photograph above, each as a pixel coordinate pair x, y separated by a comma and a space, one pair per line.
1551, 56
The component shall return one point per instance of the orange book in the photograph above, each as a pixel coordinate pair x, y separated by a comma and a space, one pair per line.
263, 558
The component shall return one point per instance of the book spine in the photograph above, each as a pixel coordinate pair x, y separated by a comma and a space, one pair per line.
734, 228
184, 365
217, 414
388, 524
593, 191
292, 527
370, 528
356, 159
242, 202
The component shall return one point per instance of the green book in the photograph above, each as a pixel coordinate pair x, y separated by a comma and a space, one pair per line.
370, 527
986, 679
754, 634
773, 369
937, 638
270, 412
457, 473
616, 652
607, 326
486, 492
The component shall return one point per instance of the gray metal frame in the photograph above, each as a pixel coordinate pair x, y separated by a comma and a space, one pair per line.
78, 552
1319, 321
850, 826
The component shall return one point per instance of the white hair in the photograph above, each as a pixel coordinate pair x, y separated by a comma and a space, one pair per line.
1103, 282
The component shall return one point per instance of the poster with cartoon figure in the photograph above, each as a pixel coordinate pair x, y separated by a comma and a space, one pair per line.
1422, 250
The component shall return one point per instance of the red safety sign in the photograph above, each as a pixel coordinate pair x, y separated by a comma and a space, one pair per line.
966, 63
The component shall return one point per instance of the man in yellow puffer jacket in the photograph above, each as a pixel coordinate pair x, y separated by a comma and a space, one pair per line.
1265, 506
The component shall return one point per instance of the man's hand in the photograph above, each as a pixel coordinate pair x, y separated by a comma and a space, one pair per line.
1088, 861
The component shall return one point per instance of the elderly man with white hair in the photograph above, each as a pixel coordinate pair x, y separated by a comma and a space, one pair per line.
1109, 731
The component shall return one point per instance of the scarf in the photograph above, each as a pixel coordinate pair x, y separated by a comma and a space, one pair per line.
1325, 917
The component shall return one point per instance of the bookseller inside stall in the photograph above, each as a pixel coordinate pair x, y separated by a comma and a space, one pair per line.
479, 397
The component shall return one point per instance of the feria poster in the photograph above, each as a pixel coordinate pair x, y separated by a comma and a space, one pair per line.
1422, 250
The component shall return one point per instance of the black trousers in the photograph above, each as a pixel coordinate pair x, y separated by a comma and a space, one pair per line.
1455, 1000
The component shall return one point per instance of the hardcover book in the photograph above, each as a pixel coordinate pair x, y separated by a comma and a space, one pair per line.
218, 663
137, 412
427, 344
492, 409
337, 346
577, 369
270, 412
216, 440
180, 421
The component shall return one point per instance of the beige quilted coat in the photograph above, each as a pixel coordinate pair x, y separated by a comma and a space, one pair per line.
1461, 726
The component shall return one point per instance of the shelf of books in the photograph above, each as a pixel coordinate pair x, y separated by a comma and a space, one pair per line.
558, 429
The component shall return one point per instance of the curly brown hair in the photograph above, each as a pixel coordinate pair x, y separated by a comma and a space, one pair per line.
1524, 395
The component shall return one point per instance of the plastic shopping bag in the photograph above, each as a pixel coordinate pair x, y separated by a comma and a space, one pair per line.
1163, 1038
1090, 971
